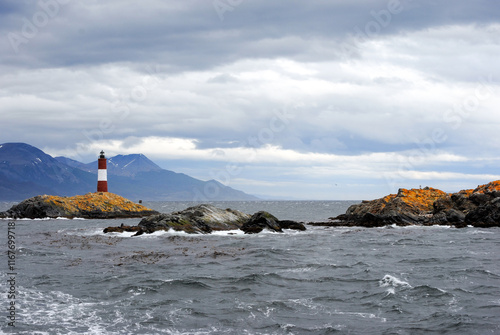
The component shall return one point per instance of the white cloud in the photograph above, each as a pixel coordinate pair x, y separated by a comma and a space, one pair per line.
293, 162
435, 175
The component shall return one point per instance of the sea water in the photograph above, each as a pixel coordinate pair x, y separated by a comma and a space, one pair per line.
73, 279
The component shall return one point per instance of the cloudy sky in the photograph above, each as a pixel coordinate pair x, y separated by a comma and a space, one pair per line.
295, 99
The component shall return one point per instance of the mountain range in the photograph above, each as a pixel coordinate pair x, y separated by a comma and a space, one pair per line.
26, 171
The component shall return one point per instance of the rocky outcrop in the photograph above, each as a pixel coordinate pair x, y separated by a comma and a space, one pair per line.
198, 219
102, 205
205, 219
264, 220
260, 221
479, 207
294, 225
122, 229
485, 215
407, 207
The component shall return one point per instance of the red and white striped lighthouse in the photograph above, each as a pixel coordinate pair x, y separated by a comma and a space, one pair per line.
102, 174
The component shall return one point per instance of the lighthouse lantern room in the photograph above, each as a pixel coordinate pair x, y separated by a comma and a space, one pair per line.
102, 174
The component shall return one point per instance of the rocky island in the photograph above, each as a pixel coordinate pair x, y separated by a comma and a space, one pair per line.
99, 205
205, 219
479, 207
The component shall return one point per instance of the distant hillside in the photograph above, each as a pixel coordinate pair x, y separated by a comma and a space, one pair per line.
72, 163
26, 171
128, 165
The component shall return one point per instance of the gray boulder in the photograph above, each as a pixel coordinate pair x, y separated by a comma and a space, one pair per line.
264, 220
486, 215
200, 219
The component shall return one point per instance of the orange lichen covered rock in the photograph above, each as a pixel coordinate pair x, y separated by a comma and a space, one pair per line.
468, 200
406, 207
419, 201
102, 205
477, 207
491, 187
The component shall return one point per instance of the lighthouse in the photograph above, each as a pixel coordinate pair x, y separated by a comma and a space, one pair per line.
102, 174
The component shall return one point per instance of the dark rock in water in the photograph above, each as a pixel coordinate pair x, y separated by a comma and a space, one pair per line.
288, 224
260, 221
101, 205
485, 215
201, 219
264, 220
479, 207
33, 208
447, 217
175, 222
332, 223
122, 229
205, 219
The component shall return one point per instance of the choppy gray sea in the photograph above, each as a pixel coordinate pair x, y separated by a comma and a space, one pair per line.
70, 278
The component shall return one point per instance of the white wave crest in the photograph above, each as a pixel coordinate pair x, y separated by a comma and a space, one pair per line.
392, 283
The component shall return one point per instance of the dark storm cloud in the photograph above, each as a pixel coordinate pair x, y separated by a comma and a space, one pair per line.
177, 33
